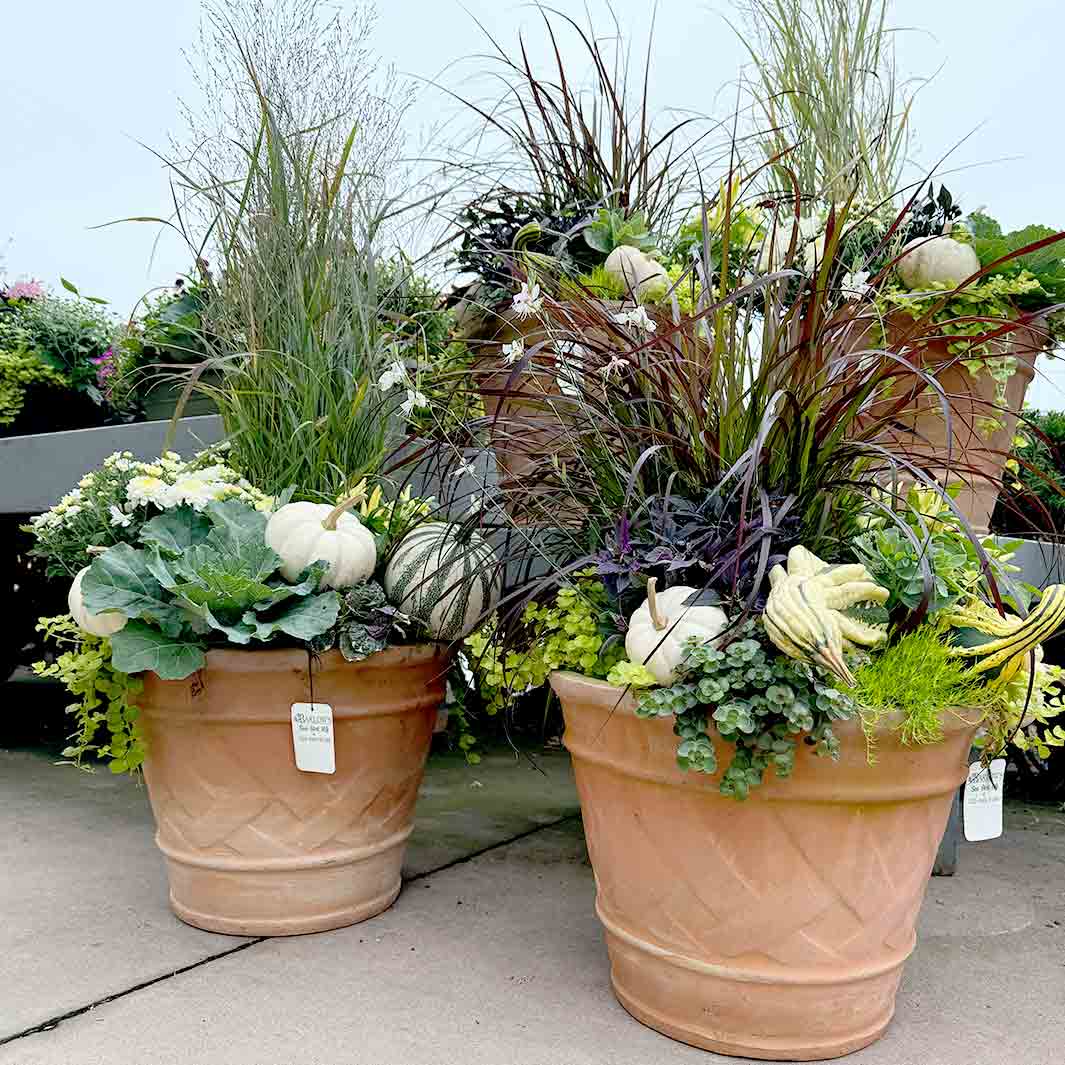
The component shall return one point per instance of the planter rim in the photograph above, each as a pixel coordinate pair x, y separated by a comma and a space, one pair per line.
272, 659
625, 703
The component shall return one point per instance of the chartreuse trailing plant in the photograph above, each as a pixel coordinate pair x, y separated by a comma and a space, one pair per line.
105, 714
573, 631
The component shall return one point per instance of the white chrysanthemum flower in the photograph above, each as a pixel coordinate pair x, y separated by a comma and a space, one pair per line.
528, 301
194, 491
119, 518
513, 351
396, 374
145, 489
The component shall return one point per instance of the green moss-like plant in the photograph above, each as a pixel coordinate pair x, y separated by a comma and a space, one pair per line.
598, 281
20, 370
918, 678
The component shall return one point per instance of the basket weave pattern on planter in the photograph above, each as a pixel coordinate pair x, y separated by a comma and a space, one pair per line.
772, 928
255, 846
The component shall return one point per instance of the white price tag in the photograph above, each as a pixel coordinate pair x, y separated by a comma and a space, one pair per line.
312, 737
982, 804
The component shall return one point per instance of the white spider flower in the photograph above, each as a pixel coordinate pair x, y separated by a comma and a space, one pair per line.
414, 399
396, 374
638, 318
615, 366
856, 285
528, 301
513, 351
464, 469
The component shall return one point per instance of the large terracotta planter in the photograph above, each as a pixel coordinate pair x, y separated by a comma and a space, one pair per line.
773, 928
255, 846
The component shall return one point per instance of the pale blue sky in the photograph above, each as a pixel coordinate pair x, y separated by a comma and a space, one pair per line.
82, 84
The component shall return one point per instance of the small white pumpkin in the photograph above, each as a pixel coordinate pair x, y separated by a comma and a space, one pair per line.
446, 578
645, 279
929, 261
305, 533
106, 623
659, 628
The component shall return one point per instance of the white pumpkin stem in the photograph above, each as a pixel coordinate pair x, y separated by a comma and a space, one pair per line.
657, 620
333, 516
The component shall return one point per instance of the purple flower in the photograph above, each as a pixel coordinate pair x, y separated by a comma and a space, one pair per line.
105, 370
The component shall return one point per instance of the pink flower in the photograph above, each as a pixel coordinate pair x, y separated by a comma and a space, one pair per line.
25, 290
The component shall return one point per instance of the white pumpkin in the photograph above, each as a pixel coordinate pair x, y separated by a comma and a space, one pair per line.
106, 623
305, 533
643, 278
660, 627
444, 577
929, 261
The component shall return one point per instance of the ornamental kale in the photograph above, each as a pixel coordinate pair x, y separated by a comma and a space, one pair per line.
367, 624
200, 576
756, 700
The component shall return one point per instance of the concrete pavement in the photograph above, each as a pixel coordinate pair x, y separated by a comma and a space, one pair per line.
491, 956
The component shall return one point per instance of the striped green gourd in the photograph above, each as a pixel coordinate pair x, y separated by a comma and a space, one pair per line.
445, 577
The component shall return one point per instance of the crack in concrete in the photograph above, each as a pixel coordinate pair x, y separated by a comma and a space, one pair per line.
55, 1022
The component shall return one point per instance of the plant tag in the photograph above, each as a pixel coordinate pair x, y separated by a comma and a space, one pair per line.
982, 805
441, 720
312, 737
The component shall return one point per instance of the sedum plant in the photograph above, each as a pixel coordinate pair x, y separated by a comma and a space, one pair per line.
754, 699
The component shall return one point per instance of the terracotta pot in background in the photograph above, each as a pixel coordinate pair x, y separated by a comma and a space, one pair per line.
773, 928
976, 459
255, 846
526, 429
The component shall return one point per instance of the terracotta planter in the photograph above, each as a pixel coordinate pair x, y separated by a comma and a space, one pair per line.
255, 846
968, 455
774, 928
526, 427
